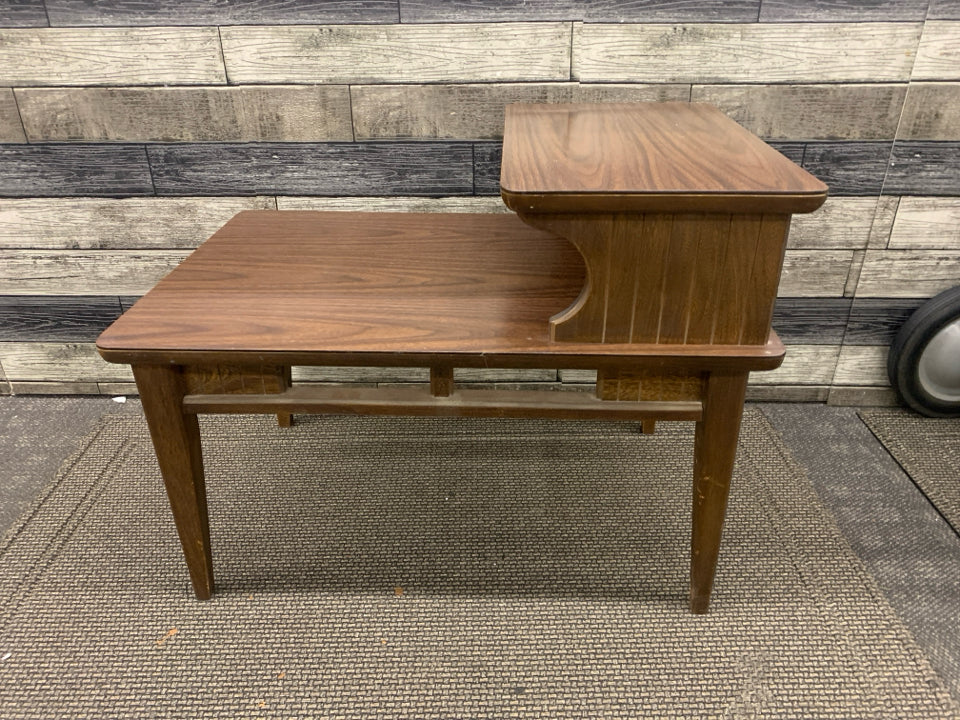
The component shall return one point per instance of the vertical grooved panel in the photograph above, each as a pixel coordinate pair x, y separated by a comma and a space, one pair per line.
679, 275
765, 276
648, 300
714, 236
731, 291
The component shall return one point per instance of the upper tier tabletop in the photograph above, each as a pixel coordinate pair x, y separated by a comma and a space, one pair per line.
335, 288
645, 157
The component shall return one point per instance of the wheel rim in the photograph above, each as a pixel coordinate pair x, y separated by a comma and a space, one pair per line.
939, 367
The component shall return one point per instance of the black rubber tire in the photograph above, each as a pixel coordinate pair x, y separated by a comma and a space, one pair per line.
903, 360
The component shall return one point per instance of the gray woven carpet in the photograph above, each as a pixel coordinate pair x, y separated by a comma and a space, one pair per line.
928, 449
443, 568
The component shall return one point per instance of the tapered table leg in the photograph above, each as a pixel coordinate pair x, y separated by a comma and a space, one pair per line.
176, 439
715, 449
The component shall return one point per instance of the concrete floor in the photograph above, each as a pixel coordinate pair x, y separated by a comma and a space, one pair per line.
908, 547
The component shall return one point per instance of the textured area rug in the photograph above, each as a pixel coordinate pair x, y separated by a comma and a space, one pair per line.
443, 568
928, 450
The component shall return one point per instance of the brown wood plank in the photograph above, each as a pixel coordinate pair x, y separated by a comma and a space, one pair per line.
765, 276
648, 303
679, 273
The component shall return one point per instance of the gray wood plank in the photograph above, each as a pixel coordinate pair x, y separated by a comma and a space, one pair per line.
58, 362
924, 168
475, 111
227, 114
22, 13
842, 10
810, 112
371, 54
486, 168
740, 53
814, 273
130, 223
222, 12
926, 223
811, 321
931, 112
65, 170
11, 129
396, 204
876, 321
840, 223
862, 366
938, 57
803, 365
127, 301
944, 10
313, 169
672, 11
443, 11
33, 318
849, 168
908, 273
84, 272
111, 56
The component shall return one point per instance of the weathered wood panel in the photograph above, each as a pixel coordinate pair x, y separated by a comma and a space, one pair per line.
228, 114
131, 223
923, 168
875, 321
64, 362
931, 112
908, 273
56, 388
475, 111
111, 56
32, 318
938, 57
926, 223
486, 168
841, 223
862, 365
11, 129
814, 273
65, 170
811, 321
672, 11
84, 272
222, 12
366, 375
439, 11
803, 365
397, 53
842, 10
810, 112
313, 169
849, 168
22, 13
396, 204
944, 10
762, 53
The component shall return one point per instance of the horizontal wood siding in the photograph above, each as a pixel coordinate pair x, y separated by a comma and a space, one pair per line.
22, 13
862, 365
926, 223
111, 56
397, 53
876, 321
33, 318
11, 129
938, 57
228, 114
924, 168
69, 170
842, 10
931, 112
908, 273
64, 362
761, 53
849, 168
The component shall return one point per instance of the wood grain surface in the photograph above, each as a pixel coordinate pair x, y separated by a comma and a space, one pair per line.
908, 273
234, 114
876, 321
443, 11
843, 223
931, 112
67, 362
842, 10
70, 170
11, 129
812, 321
129, 223
111, 56
22, 13
321, 169
862, 365
643, 156
944, 10
923, 168
739, 53
844, 111
222, 12
672, 11
475, 111
397, 53
926, 223
849, 168
938, 57
35, 318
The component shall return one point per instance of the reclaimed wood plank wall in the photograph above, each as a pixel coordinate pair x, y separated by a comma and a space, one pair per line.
129, 131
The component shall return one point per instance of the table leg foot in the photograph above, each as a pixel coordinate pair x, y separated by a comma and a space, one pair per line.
176, 439
648, 427
715, 450
285, 419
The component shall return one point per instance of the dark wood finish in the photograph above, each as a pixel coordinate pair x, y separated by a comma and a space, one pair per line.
843, 10
648, 427
70, 170
36, 318
923, 168
214, 379
176, 439
441, 381
642, 157
649, 385
397, 168
715, 450
876, 321
420, 401
222, 12
811, 321
850, 168
22, 13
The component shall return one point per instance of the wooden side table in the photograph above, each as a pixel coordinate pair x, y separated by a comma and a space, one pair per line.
670, 301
